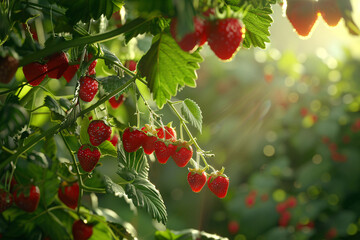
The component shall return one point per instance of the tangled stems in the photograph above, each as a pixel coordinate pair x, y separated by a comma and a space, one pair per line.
59, 127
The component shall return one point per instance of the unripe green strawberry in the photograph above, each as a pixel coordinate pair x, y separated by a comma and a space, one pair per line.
88, 157
225, 37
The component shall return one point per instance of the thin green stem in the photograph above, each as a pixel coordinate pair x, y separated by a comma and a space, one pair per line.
12, 152
46, 211
77, 172
82, 41
42, 7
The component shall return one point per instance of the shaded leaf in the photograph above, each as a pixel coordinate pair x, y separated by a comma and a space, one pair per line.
113, 188
13, 118
155, 26
106, 148
111, 83
56, 111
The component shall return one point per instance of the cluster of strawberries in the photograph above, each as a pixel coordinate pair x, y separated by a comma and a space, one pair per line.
303, 14
25, 197
224, 36
285, 215
163, 142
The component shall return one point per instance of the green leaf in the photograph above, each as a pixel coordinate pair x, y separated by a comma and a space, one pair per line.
236, 4
154, 27
113, 188
188, 234
84, 136
166, 67
122, 230
257, 23
113, 82
106, 148
192, 113
50, 147
132, 164
39, 159
144, 194
56, 111
13, 118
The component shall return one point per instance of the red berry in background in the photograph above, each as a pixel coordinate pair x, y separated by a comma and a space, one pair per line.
331, 234
170, 133
133, 139
115, 103
182, 157
218, 185
57, 65
281, 207
302, 15
98, 132
8, 67
264, 197
88, 157
35, 73
291, 202
88, 89
250, 200
303, 112
6, 200
196, 180
69, 194
81, 230
333, 147
325, 140
114, 140
163, 151
225, 37
330, 12
70, 72
131, 65
192, 40
284, 219
233, 227
27, 198
346, 139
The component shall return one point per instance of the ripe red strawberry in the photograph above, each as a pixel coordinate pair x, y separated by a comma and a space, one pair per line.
35, 73
225, 37
291, 202
163, 151
6, 200
69, 194
250, 200
302, 15
131, 65
330, 12
170, 133
332, 233
196, 180
218, 184
284, 219
98, 132
70, 72
233, 227
281, 207
192, 40
182, 157
88, 89
91, 69
27, 198
149, 141
133, 139
57, 65
88, 157
8, 67
115, 103
81, 230
114, 140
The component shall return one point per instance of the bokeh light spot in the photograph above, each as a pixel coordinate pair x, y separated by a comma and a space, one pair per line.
326, 177
317, 159
269, 150
240, 237
271, 136
315, 105
313, 191
332, 90
302, 88
333, 199
293, 97
334, 76
348, 98
279, 195
352, 229
289, 82
354, 107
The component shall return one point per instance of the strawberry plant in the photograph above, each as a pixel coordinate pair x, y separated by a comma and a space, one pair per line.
68, 137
